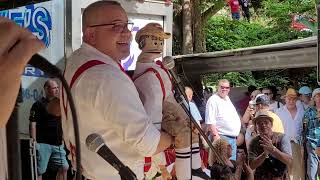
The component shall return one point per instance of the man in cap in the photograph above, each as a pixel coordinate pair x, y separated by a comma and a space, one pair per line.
269, 152
304, 97
271, 92
261, 103
291, 116
311, 124
154, 85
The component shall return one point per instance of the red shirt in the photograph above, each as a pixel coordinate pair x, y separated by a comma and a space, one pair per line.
234, 5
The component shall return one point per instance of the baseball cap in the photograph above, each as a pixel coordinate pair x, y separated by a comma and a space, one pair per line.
305, 90
315, 92
260, 115
262, 99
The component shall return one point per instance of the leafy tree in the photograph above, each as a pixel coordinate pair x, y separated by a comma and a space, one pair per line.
223, 33
190, 17
280, 12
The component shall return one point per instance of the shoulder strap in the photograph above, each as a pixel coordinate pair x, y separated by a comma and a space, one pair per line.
158, 77
83, 68
79, 71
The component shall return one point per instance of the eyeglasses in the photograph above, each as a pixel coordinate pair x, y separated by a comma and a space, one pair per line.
224, 87
267, 94
117, 27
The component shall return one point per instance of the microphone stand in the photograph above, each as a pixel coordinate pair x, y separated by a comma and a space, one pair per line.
181, 98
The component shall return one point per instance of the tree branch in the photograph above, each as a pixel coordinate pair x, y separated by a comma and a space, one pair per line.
212, 10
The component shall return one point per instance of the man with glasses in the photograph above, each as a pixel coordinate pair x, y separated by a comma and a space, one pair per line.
274, 105
106, 98
222, 118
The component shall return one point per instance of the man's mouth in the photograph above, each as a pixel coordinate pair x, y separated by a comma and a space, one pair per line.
123, 43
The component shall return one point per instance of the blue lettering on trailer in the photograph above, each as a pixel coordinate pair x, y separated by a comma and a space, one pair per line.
36, 19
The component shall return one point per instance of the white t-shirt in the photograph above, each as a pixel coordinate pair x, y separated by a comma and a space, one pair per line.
108, 103
221, 113
292, 126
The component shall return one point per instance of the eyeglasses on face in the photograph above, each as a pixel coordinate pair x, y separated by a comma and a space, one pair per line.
267, 94
224, 87
117, 27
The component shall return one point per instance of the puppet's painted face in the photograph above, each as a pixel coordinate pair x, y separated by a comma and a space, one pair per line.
151, 44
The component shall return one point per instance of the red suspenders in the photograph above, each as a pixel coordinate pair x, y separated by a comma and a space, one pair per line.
78, 72
170, 157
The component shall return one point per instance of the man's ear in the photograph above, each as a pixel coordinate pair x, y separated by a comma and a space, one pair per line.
90, 36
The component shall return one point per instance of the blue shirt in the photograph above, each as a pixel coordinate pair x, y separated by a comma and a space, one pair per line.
195, 112
313, 127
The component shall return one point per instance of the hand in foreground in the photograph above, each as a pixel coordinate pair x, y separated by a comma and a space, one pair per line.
17, 46
241, 157
267, 145
248, 171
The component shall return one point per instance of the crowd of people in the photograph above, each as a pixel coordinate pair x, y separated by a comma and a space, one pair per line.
278, 135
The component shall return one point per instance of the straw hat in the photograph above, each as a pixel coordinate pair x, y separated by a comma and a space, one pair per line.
290, 92
152, 29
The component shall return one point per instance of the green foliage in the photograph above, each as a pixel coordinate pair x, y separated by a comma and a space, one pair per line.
223, 33
280, 12
271, 24
279, 78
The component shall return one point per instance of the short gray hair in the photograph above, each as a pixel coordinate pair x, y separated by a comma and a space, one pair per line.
92, 7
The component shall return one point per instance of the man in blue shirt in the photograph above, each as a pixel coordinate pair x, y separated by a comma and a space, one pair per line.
194, 111
311, 116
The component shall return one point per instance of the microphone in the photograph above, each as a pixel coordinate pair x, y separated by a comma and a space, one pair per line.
168, 62
95, 143
42, 63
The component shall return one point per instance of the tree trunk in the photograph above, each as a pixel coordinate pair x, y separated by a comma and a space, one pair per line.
199, 35
187, 41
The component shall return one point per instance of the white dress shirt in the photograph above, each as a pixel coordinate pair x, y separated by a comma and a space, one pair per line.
108, 103
292, 126
221, 113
